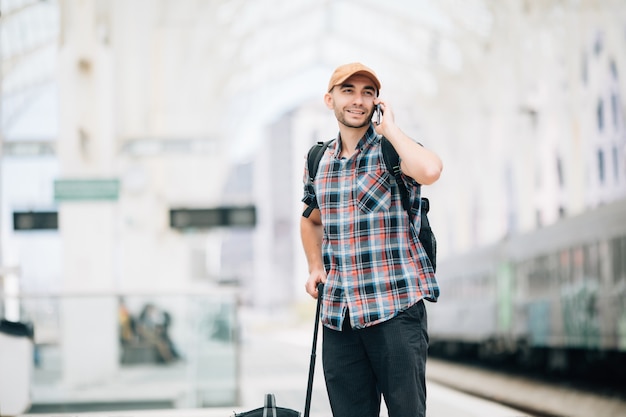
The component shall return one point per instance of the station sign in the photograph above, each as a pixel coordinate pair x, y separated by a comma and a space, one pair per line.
206, 218
35, 220
86, 189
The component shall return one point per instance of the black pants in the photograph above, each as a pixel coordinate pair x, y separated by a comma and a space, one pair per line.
388, 359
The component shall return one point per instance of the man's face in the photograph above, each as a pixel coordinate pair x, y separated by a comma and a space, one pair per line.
353, 101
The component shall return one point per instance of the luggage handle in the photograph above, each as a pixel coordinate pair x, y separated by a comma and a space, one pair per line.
309, 390
270, 405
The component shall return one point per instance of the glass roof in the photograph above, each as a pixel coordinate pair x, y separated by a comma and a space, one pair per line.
282, 48
28, 40
271, 39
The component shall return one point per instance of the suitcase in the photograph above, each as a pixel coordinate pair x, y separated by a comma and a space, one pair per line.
269, 408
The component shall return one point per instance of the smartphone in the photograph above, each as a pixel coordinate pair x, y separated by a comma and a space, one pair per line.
378, 114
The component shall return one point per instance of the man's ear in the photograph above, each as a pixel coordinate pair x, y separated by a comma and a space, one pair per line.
328, 100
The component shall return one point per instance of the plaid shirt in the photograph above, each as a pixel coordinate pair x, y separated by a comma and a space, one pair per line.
376, 266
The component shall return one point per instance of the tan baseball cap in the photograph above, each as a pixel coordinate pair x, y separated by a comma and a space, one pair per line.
343, 72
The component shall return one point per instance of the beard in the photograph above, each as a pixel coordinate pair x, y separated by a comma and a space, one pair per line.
341, 119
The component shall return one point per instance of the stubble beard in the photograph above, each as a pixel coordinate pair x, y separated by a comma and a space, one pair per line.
341, 119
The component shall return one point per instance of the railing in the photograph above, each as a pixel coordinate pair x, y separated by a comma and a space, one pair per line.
128, 351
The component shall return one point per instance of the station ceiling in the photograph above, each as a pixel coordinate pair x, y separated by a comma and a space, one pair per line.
259, 43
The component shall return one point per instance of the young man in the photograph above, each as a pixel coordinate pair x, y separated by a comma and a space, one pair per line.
361, 243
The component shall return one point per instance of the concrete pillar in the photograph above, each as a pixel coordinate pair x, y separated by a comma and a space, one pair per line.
88, 316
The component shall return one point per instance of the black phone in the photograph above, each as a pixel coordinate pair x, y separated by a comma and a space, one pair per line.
378, 114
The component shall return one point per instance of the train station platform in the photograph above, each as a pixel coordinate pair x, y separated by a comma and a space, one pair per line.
275, 359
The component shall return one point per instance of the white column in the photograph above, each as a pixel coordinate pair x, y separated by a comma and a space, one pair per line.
86, 150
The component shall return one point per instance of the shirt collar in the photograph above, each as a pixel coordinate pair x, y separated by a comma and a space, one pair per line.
368, 139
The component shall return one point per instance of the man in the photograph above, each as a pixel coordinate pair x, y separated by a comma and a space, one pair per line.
360, 242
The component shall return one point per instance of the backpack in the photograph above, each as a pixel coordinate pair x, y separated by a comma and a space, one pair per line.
392, 162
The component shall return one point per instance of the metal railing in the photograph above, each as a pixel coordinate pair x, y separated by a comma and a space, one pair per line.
128, 351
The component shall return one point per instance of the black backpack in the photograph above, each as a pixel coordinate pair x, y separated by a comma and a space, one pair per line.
392, 162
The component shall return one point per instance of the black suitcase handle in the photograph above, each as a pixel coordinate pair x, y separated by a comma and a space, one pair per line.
309, 390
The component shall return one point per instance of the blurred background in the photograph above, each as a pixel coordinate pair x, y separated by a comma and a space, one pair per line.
152, 155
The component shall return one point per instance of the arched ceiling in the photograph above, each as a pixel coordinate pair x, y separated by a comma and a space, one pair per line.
265, 54
268, 40
275, 54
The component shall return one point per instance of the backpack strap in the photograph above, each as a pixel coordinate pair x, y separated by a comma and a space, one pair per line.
390, 156
392, 161
313, 161
426, 236
315, 156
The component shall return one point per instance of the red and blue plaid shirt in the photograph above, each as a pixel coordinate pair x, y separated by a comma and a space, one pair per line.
376, 266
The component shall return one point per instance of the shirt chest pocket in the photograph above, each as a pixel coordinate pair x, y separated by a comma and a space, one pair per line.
373, 192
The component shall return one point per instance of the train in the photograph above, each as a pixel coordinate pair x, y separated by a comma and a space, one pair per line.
553, 299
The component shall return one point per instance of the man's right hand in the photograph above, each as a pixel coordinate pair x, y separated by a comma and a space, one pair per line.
315, 277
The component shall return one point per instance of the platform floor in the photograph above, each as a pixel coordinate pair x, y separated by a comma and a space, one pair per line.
275, 358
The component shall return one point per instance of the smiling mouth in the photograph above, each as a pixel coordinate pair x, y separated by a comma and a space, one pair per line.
357, 112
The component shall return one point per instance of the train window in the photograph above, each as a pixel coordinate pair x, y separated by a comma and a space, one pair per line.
601, 258
549, 271
520, 283
618, 257
577, 265
539, 274
591, 264
451, 287
564, 266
